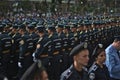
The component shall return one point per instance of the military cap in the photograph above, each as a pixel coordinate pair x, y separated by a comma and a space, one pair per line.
66, 27
40, 28
15, 26
79, 48
73, 25
50, 27
59, 26
31, 26
22, 26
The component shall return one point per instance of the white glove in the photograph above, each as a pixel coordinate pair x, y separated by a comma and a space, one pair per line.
34, 59
19, 64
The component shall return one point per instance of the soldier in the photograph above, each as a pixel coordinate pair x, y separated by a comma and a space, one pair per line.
26, 50
51, 36
16, 38
5, 51
42, 40
57, 52
77, 71
99, 71
75, 35
66, 46
34, 36
59, 30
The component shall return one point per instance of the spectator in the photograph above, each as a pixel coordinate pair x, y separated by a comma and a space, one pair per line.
99, 71
113, 58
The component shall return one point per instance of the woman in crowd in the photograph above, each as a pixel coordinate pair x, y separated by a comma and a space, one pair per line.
99, 71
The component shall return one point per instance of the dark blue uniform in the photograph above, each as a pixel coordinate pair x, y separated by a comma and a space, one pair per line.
16, 38
35, 38
98, 73
5, 52
72, 74
25, 55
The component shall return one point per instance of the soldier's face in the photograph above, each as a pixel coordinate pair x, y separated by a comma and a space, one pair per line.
64, 30
82, 58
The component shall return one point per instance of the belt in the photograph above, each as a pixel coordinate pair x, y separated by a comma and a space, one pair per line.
28, 53
56, 52
44, 55
6, 51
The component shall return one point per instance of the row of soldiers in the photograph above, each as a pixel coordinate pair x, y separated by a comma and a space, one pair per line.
22, 44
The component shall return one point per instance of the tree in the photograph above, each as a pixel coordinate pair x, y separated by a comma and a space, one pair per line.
68, 5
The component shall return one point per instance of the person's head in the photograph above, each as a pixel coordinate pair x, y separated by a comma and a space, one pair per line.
73, 28
40, 30
66, 29
99, 54
50, 29
14, 28
80, 55
30, 28
22, 29
116, 42
59, 28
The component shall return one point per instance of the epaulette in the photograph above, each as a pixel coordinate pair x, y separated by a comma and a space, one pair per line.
68, 74
93, 68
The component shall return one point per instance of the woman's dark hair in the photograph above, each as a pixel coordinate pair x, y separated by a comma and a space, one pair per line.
97, 50
34, 72
38, 73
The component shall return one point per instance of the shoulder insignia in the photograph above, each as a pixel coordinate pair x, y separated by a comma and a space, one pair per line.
75, 34
22, 42
49, 36
68, 74
92, 76
94, 68
40, 39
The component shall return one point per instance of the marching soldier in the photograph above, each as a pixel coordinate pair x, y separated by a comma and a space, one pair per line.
34, 36
26, 50
51, 36
5, 51
66, 46
16, 38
